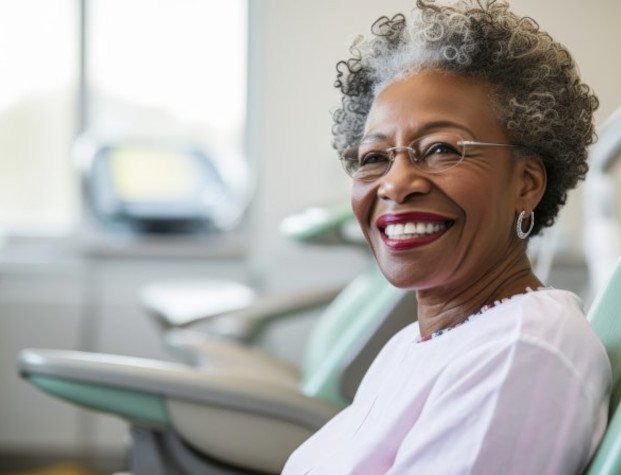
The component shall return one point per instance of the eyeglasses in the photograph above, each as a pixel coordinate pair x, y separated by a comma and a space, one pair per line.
435, 153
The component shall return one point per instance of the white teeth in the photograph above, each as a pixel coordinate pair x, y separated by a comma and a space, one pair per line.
412, 230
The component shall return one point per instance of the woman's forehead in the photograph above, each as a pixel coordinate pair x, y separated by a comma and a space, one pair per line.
433, 99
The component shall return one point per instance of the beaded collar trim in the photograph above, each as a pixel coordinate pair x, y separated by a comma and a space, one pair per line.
481, 311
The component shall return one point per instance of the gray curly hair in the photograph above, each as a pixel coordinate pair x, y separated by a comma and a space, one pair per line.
538, 93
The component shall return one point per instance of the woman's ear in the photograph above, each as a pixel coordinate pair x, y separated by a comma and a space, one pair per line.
533, 180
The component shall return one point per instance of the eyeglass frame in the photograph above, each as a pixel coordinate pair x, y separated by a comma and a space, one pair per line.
393, 151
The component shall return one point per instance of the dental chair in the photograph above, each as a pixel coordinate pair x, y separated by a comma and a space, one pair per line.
605, 317
240, 410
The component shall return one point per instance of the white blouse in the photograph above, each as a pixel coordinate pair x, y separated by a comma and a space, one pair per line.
522, 388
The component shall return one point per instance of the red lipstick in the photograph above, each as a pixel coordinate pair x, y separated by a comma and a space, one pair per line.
412, 239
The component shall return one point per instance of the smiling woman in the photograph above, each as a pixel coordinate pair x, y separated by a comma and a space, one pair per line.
463, 132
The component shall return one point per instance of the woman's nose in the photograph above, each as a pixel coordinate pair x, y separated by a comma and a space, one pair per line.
403, 180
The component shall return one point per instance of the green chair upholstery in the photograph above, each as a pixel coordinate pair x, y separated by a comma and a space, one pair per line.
605, 317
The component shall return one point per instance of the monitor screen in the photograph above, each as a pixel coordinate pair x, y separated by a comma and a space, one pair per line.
141, 173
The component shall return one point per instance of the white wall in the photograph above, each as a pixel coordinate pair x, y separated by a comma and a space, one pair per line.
299, 44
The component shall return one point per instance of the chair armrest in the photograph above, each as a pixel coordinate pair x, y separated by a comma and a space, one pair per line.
247, 323
232, 390
179, 302
198, 350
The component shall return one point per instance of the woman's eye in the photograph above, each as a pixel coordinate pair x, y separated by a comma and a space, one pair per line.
441, 148
372, 158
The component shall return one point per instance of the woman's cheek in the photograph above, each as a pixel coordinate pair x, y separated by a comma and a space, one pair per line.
362, 203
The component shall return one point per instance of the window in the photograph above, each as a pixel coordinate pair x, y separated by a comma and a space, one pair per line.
172, 70
38, 59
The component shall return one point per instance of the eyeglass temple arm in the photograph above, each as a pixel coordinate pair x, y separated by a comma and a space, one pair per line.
487, 144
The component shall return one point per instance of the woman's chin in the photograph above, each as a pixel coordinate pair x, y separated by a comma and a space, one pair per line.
400, 279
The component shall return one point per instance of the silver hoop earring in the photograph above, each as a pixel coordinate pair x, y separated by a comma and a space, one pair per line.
518, 227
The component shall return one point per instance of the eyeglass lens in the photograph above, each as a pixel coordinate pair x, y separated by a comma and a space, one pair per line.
432, 153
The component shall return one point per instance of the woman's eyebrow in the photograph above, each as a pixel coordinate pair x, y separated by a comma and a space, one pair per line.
438, 124
373, 137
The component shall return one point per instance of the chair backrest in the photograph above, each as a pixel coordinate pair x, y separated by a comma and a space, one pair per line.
605, 317
349, 334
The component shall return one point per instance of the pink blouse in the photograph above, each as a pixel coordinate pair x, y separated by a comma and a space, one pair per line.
522, 388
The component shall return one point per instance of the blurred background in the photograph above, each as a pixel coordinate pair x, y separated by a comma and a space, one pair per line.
167, 140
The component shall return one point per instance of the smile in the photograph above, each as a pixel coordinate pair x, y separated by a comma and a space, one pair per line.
412, 230
409, 230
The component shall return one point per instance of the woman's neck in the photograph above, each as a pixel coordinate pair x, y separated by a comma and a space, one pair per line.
440, 308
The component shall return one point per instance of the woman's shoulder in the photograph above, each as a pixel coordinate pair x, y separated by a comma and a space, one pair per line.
552, 315
550, 321
545, 313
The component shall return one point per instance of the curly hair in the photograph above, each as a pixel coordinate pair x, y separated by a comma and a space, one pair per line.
538, 94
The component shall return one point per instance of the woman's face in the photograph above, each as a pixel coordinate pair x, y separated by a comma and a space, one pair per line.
463, 218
